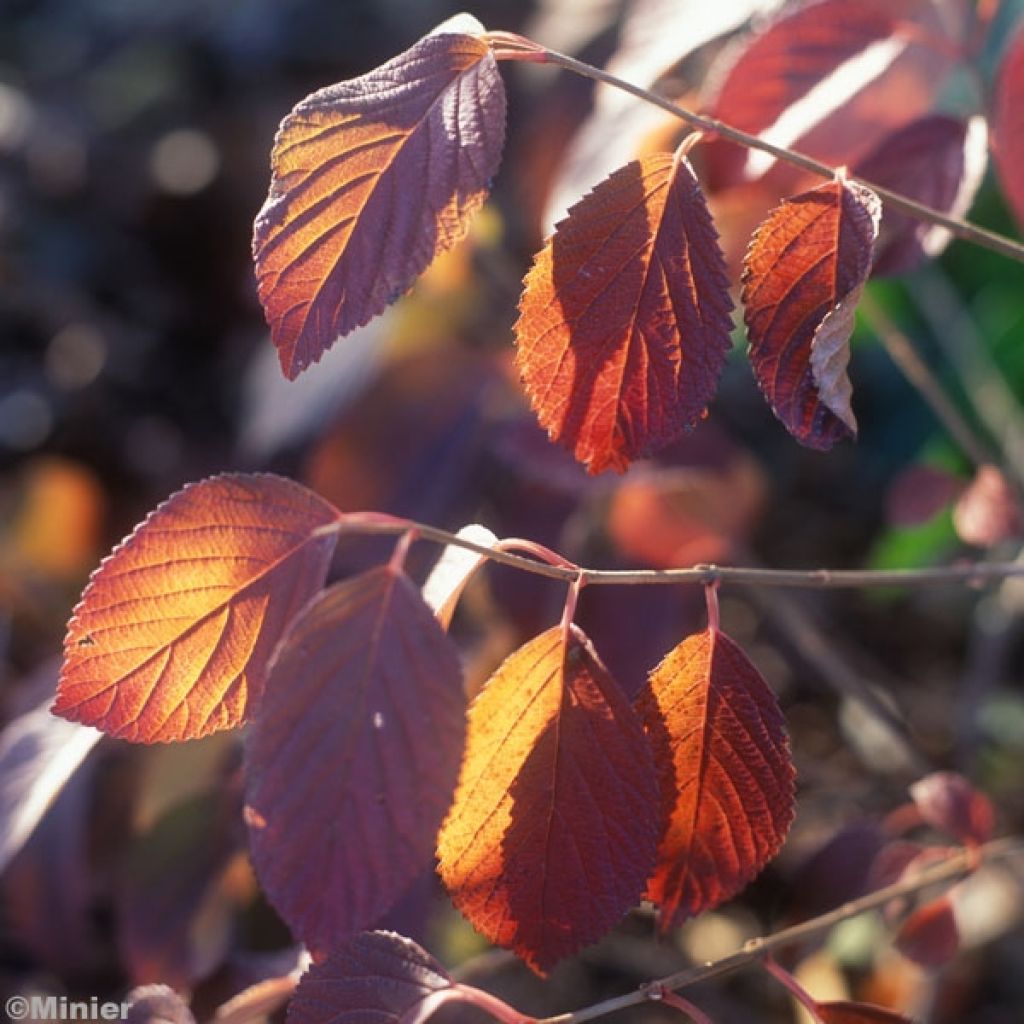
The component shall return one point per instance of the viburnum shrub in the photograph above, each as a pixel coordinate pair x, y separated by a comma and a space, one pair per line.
554, 803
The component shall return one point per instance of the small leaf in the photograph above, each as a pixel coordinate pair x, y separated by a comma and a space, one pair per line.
377, 976
372, 178
156, 1004
453, 571
727, 778
988, 512
352, 761
554, 825
1008, 125
948, 802
930, 936
802, 278
624, 322
173, 634
844, 1012
938, 161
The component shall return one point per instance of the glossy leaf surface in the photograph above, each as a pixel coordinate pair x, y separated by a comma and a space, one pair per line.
1008, 125
353, 758
372, 178
802, 278
554, 825
726, 774
173, 634
624, 322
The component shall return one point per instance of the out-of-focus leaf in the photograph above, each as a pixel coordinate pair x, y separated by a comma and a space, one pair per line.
256, 1003
845, 1012
726, 773
919, 493
1008, 124
353, 757
802, 279
173, 634
929, 936
988, 511
948, 802
453, 571
554, 825
372, 178
157, 1004
624, 322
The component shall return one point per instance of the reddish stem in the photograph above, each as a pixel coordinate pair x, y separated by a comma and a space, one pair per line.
539, 551
774, 968
711, 599
490, 1004
398, 556
670, 998
569, 612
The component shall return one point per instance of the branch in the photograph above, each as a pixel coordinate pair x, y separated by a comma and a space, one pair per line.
953, 868
970, 573
507, 46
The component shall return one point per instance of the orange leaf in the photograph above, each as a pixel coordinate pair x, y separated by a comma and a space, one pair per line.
802, 279
173, 634
354, 755
624, 322
554, 825
1008, 125
845, 1012
726, 774
372, 178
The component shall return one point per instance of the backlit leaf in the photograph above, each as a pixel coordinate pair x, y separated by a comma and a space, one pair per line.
1008, 125
554, 825
948, 802
377, 976
845, 1012
727, 778
453, 570
624, 322
353, 757
937, 160
930, 936
802, 277
173, 634
372, 178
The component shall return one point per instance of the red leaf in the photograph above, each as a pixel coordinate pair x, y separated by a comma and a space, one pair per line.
727, 778
1008, 125
372, 178
919, 493
930, 936
948, 802
802, 279
844, 1012
377, 976
554, 825
988, 512
624, 322
173, 634
937, 160
353, 758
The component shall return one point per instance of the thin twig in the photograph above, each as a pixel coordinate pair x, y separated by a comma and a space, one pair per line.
953, 868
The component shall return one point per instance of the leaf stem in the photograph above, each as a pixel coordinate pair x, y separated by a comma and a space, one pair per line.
711, 600
509, 47
802, 996
669, 998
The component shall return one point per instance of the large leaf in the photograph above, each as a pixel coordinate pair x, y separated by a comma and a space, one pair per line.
624, 322
372, 178
554, 825
173, 634
353, 758
1008, 125
378, 976
726, 773
802, 278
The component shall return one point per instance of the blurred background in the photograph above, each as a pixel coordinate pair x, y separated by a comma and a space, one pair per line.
134, 154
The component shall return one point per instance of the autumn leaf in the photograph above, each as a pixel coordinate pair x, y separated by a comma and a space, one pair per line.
453, 571
988, 512
726, 774
845, 1012
624, 322
372, 178
948, 802
554, 825
352, 760
1008, 124
378, 976
802, 278
173, 634
929, 936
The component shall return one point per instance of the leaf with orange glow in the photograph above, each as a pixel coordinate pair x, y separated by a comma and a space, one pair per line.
554, 825
846, 1012
726, 773
624, 322
173, 634
802, 278
1008, 125
372, 178
353, 757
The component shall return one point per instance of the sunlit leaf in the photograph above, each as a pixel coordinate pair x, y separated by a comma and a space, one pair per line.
802, 278
930, 936
624, 322
173, 634
453, 571
1008, 125
554, 825
988, 512
948, 802
727, 777
352, 760
845, 1012
372, 178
